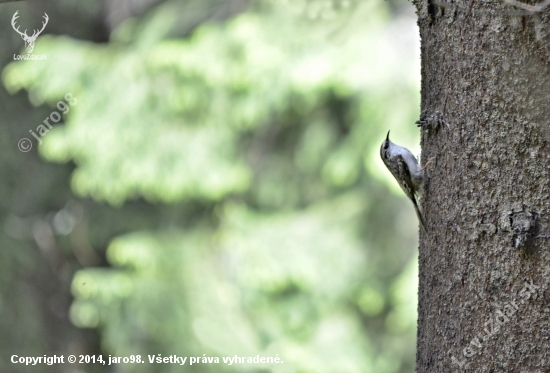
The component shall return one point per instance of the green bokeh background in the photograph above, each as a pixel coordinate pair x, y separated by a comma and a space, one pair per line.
214, 189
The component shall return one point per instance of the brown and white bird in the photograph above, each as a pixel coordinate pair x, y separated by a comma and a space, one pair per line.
406, 170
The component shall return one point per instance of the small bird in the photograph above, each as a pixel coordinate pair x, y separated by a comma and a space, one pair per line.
406, 170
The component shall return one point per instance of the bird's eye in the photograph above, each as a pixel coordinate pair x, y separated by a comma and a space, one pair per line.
386, 144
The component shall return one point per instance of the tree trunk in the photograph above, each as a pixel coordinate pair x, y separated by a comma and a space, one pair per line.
484, 264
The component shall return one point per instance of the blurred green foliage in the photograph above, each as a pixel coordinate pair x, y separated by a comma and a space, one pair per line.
258, 136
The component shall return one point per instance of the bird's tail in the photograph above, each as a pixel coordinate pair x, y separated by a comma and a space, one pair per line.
419, 214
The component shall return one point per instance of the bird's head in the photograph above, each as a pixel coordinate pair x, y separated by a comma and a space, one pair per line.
385, 147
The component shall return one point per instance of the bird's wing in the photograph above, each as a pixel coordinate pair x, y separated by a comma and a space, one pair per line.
401, 172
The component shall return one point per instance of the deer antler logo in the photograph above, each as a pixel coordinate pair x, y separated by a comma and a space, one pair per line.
29, 40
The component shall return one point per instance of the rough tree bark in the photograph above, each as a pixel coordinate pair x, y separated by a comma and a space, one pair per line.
484, 264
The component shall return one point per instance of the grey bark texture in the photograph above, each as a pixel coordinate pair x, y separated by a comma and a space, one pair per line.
484, 265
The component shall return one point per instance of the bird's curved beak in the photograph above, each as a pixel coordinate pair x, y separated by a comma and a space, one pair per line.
388, 136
